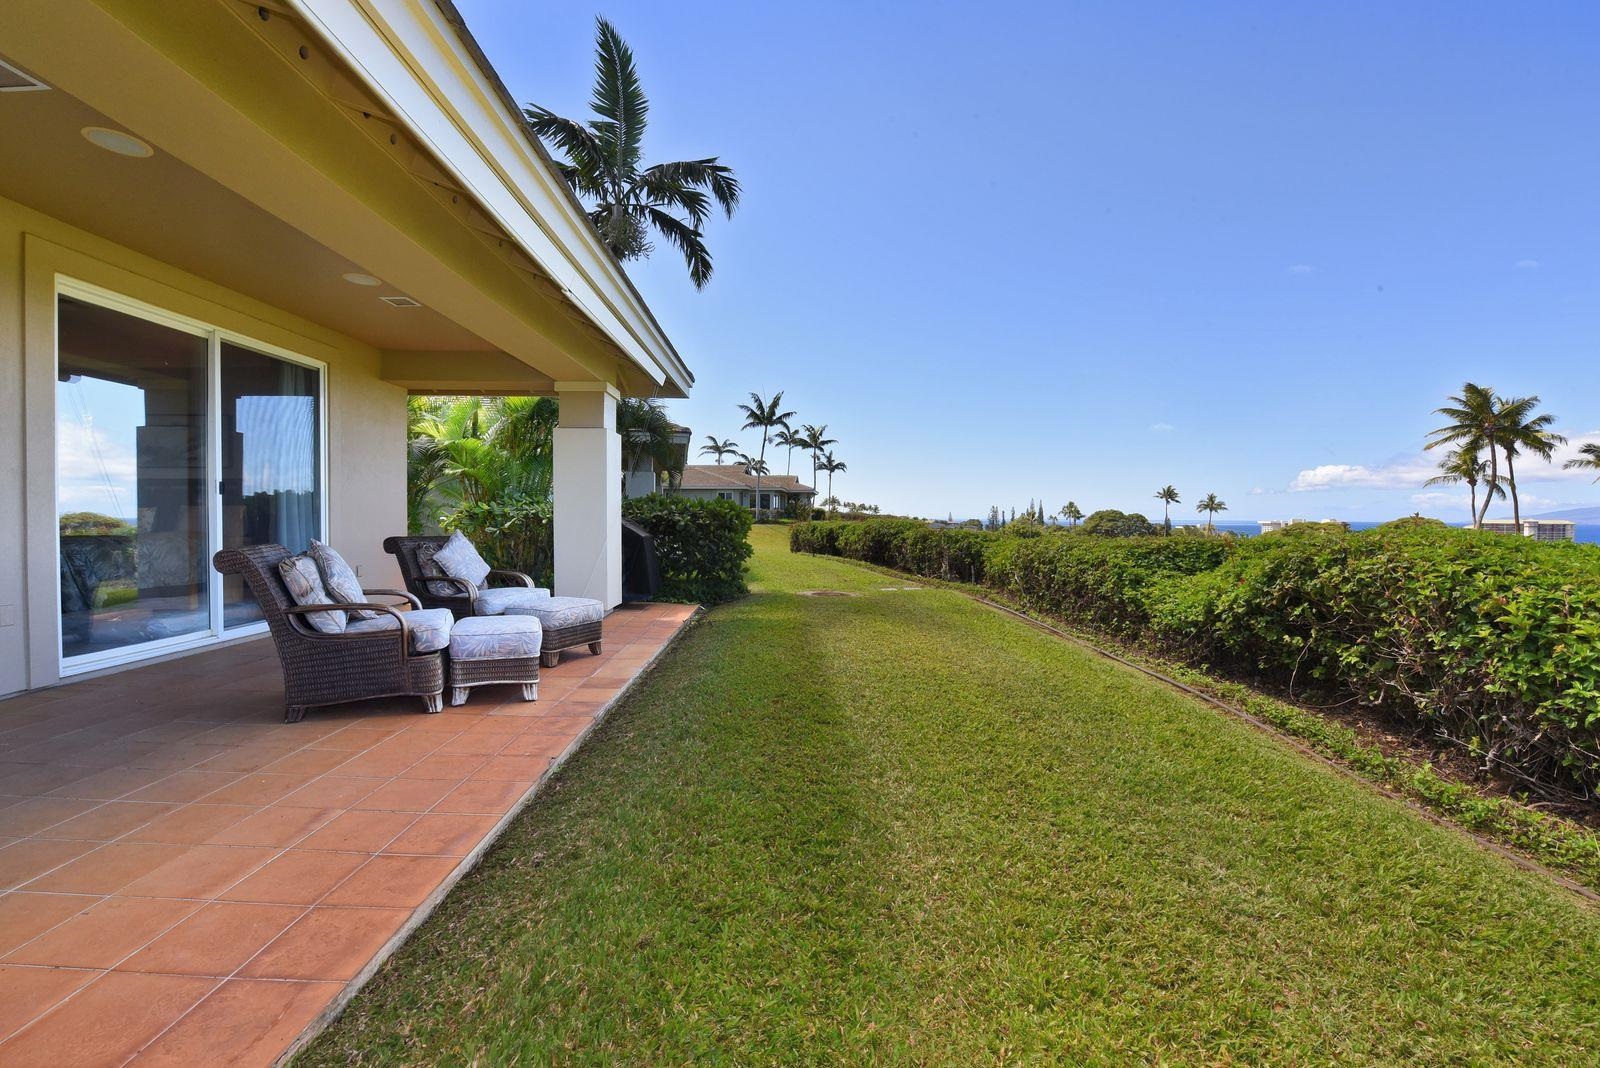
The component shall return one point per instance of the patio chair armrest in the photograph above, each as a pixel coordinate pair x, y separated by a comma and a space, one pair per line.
403, 631
468, 590
409, 598
518, 577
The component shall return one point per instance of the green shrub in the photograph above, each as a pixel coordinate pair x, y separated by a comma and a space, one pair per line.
1110, 523
701, 545
1491, 640
512, 533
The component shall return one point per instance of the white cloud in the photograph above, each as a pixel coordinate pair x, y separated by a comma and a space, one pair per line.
1256, 491
1301, 268
1526, 265
1409, 473
1162, 428
1397, 474
1441, 500
94, 473
1554, 469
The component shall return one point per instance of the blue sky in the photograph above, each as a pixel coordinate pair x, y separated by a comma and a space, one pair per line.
1082, 250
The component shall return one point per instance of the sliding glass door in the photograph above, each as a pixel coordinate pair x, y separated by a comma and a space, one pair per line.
271, 467
172, 439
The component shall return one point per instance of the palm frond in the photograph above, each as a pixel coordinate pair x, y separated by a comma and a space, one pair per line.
571, 138
688, 240
618, 98
707, 174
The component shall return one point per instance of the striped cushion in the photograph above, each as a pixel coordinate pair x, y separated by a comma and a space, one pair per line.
339, 578
304, 583
430, 627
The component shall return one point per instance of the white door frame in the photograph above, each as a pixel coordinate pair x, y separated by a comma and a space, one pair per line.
216, 630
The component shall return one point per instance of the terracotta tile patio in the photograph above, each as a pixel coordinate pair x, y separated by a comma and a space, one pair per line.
186, 879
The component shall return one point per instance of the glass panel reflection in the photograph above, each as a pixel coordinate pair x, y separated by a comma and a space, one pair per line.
271, 490
130, 469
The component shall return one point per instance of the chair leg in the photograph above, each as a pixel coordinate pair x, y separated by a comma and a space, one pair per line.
294, 713
594, 647
458, 695
550, 659
530, 691
433, 702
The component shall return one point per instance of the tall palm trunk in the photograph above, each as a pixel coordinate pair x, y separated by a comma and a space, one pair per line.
830, 495
763, 459
1473, 487
1511, 477
1488, 493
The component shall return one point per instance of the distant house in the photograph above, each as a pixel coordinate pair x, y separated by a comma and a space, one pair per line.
1272, 526
1537, 529
730, 483
648, 476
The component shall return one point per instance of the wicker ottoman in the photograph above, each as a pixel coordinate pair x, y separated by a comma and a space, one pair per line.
568, 622
494, 649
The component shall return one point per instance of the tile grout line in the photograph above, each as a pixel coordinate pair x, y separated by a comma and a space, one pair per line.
423, 911
526, 725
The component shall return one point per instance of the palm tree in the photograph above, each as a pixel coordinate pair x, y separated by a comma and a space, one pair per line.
754, 466
647, 435
1071, 513
831, 466
626, 199
1475, 426
763, 415
720, 449
788, 440
1211, 505
1590, 459
1465, 465
1168, 497
815, 440
1522, 431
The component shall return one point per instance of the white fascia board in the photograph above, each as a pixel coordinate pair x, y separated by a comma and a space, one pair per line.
412, 61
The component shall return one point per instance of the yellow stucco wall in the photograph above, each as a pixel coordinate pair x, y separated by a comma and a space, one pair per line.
366, 418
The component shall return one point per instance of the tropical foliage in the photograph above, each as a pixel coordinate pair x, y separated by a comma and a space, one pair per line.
1482, 422
721, 448
763, 414
1588, 458
628, 200
483, 466
1490, 643
648, 439
1168, 496
702, 546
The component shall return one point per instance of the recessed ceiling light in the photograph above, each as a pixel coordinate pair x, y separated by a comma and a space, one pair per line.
358, 279
123, 144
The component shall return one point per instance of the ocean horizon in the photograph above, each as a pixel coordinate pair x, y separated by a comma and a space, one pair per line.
1587, 533
1584, 533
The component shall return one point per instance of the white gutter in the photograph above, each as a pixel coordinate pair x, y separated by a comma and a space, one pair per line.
414, 62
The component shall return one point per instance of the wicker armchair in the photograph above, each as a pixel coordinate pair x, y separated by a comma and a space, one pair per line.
420, 586
329, 669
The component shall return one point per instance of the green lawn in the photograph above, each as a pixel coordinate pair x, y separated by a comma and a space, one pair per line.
901, 827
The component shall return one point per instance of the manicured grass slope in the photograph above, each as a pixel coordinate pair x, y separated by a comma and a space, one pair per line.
900, 826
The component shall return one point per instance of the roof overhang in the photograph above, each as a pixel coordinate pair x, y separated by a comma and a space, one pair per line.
421, 60
369, 129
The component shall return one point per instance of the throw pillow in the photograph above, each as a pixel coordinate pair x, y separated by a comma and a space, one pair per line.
304, 582
460, 560
339, 578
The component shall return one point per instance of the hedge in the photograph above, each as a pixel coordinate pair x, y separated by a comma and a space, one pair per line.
701, 546
1490, 640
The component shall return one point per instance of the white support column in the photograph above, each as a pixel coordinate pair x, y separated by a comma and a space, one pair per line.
588, 493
